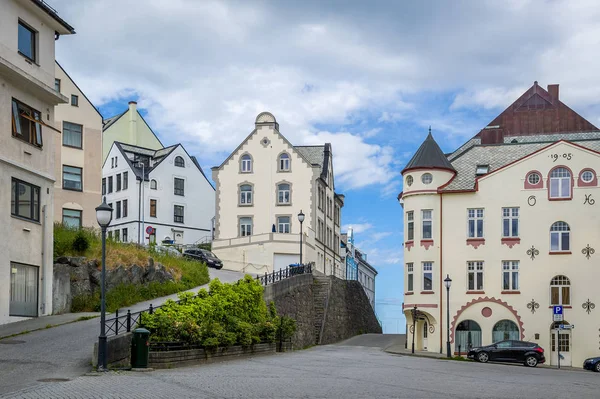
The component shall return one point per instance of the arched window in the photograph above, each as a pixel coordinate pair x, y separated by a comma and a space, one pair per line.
179, 162
284, 162
283, 193
246, 164
560, 291
245, 194
560, 183
152, 184
560, 237
468, 335
504, 330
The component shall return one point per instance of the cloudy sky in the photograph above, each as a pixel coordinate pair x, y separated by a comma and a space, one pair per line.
368, 77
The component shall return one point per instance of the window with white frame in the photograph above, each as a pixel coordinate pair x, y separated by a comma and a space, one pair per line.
427, 220
284, 162
179, 162
560, 237
246, 164
409, 277
560, 291
283, 224
410, 225
475, 276
178, 213
283, 193
427, 276
560, 183
152, 184
475, 223
179, 186
510, 222
245, 226
510, 275
245, 194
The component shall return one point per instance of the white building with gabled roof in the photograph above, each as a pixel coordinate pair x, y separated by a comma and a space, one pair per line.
175, 203
261, 188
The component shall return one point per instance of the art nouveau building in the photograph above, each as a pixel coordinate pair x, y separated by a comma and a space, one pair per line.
261, 188
511, 217
28, 31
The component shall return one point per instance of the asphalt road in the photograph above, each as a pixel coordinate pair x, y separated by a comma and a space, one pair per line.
355, 369
64, 351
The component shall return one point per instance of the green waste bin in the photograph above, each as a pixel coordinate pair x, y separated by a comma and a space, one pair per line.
140, 346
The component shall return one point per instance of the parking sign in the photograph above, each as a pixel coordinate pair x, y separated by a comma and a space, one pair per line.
558, 310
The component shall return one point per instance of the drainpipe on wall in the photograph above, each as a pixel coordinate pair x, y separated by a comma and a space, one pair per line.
44, 266
139, 211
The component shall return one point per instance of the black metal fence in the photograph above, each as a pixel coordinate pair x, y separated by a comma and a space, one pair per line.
282, 274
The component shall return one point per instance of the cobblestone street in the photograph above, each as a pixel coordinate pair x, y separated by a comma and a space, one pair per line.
334, 371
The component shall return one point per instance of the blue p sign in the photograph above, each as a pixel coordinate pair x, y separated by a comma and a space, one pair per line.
558, 310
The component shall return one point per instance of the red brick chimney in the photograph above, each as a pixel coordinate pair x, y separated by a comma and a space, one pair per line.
553, 91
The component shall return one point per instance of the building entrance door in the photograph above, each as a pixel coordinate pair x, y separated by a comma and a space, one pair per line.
23, 290
425, 335
561, 343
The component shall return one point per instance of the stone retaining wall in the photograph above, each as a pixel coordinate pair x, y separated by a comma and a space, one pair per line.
168, 359
118, 351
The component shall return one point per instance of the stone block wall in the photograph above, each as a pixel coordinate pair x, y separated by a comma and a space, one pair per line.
348, 311
118, 351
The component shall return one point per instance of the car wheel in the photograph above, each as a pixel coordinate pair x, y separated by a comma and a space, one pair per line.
483, 357
531, 361
597, 368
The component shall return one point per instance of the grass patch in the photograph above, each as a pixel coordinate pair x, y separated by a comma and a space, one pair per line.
88, 243
457, 358
84, 318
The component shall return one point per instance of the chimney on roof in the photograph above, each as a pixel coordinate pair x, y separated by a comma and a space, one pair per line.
553, 91
133, 123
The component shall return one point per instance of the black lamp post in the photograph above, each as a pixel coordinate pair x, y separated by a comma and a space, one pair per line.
448, 283
414, 313
301, 219
104, 216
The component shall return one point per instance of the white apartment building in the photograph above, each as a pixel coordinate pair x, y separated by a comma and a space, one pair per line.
28, 30
78, 163
357, 267
175, 204
262, 187
511, 217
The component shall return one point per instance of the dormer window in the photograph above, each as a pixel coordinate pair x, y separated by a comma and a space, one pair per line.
482, 170
179, 162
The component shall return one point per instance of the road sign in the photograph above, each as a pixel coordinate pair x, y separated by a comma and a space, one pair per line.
558, 310
565, 326
557, 317
150, 229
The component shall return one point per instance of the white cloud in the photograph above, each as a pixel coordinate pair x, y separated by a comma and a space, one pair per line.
204, 69
357, 227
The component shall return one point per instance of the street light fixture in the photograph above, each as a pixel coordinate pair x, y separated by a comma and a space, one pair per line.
301, 219
103, 216
448, 283
414, 313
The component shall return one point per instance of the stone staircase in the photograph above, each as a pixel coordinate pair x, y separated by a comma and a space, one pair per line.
320, 297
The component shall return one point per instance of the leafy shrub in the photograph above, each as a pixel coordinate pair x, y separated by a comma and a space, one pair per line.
228, 314
81, 243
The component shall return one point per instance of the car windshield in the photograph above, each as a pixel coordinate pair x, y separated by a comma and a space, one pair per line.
208, 253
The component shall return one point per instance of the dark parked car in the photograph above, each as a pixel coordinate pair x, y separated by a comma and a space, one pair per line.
205, 256
528, 353
593, 363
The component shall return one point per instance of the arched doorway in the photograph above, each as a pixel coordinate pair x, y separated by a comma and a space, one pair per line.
505, 329
561, 344
468, 335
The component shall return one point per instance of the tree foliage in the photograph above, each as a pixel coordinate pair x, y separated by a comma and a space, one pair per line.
226, 315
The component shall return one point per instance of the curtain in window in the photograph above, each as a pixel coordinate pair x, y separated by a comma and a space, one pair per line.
72, 134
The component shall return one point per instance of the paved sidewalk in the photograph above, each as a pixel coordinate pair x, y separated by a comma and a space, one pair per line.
398, 349
39, 323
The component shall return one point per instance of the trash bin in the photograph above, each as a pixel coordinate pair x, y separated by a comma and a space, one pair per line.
140, 346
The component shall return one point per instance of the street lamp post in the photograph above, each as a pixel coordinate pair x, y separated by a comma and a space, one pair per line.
104, 216
301, 220
448, 283
414, 313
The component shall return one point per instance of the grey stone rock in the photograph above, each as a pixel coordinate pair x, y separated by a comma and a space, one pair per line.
78, 261
63, 260
137, 274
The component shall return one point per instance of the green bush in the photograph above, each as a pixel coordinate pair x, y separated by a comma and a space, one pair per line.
228, 314
81, 243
